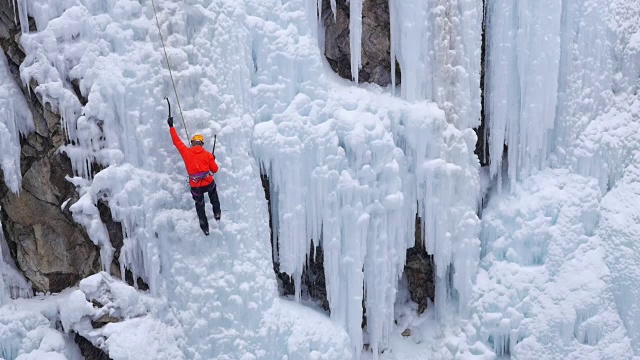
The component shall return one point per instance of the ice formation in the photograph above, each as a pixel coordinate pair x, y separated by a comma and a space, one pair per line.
437, 44
540, 290
15, 121
367, 162
543, 286
143, 326
220, 291
355, 36
585, 59
349, 168
522, 109
13, 285
27, 334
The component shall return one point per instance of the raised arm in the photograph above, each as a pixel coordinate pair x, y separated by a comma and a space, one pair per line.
176, 140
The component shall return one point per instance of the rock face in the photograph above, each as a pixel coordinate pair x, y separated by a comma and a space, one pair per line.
313, 281
376, 57
49, 247
89, 351
419, 272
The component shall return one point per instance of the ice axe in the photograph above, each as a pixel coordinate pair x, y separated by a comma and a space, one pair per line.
168, 103
215, 138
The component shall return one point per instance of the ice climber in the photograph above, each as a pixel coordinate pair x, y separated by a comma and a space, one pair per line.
201, 165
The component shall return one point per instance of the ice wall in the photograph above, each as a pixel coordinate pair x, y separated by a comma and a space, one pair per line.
576, 110
220, 290
620, 227
523, 38
544, 289
15, 121
553, 68
437, 44
351, 168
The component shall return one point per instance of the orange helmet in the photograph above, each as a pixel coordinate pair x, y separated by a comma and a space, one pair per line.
197, 137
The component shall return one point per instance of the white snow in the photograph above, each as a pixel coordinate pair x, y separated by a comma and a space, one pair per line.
26, 335
217, 289
543, 289
620, 228
349, 168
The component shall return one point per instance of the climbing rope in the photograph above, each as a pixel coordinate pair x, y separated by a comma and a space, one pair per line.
169, 66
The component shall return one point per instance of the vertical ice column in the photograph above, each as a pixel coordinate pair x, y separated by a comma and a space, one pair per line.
445, 188
523, 39
406, 42
13, 285
15, 120
333, 7
393, 38
453, 62
4, 297
355, 36
437, 44
22, 14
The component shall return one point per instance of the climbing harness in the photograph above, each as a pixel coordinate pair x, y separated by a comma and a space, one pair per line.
197, 177
196, 194
170, 72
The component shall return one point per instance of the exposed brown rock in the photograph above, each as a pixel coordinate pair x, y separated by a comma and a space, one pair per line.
313, 279
420, 272
376, 43
89, 351
51, 249
104, 320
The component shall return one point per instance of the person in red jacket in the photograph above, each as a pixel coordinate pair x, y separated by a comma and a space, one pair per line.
201, 165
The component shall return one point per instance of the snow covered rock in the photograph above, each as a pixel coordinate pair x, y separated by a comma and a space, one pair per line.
119, 320
349, 167
28, 335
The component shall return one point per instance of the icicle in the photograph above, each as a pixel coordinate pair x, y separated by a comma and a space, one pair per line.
16, 120
333, 8
522, 111
14, 6
355, 37
24, 18
393, 34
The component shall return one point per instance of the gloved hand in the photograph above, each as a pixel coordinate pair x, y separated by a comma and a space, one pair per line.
170, 121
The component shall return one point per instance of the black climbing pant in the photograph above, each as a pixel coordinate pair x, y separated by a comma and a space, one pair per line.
198, 195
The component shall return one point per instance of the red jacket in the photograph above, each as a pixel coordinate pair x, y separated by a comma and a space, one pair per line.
197, 160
